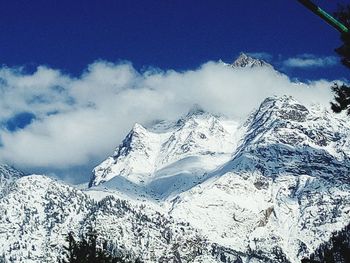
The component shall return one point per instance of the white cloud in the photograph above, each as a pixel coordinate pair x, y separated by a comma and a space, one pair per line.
94, 112
310, 61
43, 91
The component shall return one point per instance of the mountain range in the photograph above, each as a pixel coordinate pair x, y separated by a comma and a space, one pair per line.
203, 188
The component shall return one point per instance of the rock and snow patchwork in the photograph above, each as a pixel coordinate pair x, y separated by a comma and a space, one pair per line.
8, 175
37, 213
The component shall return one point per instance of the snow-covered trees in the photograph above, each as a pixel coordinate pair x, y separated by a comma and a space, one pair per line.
91, 249
337, 250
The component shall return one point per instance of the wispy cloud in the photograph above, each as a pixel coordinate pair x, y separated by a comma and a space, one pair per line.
74, 120
310, 61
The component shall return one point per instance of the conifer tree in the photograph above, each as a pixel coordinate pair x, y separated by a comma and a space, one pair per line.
337, 250
342, 93
342, 98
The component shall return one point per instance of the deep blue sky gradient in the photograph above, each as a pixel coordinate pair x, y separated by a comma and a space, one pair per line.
69, 35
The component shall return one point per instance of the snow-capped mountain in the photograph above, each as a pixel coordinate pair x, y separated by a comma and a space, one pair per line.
203, 188
169, 158
286, 188
247, 61
283, 189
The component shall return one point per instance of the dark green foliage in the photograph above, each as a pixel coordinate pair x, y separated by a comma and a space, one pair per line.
342, 93
343, 15
86, 250
337, 250
342, 98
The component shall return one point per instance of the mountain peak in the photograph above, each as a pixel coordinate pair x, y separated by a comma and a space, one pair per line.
195, 110
138, 128
284, 107
279, 101
244, 61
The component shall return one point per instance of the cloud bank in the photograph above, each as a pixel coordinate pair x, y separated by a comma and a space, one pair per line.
76, 119
311, 61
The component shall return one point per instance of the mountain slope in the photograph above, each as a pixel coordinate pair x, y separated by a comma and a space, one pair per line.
8, 175
38, 213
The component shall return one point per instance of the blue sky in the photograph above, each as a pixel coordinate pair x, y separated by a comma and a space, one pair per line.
69, 35
77, 75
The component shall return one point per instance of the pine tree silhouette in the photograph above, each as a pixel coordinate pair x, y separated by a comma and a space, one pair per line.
343, 15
